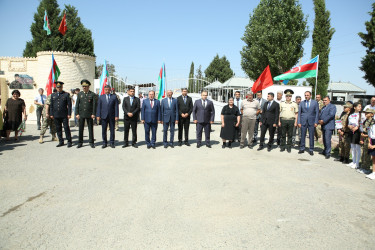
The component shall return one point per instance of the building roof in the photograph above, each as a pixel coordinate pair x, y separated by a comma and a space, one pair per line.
344, 87
238, 82
214, 85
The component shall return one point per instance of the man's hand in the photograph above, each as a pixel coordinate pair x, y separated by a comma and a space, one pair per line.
299, 125
116, 118
98, 119
279, 124
222, 124
211, 122
93, 116
315, 125
69, 116
237, 124
160, 122
143, 121
260, 123
274, 125
176, 122
77, 116
295, 124
51, 117
130, 114
195, 121
321, 122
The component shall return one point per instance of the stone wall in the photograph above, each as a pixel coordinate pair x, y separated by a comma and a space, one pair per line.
73, 67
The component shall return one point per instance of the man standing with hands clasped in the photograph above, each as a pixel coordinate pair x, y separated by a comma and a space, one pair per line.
169, 117
150, 117
131, 106
287, 120
185, 107
327, 121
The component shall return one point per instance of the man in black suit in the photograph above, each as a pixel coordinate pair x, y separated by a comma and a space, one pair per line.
185, 107
269, 120
131, 106
203, 116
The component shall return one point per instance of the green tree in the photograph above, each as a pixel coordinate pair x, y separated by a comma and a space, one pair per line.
274, 36
368, 41
191, 75
78, 39
111, 70
219, 69
322, 36
199, 75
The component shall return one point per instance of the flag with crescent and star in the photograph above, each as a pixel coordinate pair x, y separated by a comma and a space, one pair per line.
306, 70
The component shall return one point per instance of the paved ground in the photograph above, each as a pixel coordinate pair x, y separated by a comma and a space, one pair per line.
181, 198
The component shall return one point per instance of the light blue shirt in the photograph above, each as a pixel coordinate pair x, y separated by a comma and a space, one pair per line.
239, 104
40, 98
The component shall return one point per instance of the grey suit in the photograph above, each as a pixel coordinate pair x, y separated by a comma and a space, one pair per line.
203, 115
262, 102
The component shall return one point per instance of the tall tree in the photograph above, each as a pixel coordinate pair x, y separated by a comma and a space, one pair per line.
322, 36
219, 69
77, 38
368, 41
99, 69
199, 76
274, 36
191, 75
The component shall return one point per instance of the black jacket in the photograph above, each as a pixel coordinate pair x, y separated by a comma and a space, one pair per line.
61, 105
184, 108
270, 116
134, 108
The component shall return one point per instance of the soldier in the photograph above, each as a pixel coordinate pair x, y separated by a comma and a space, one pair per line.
16, 83
86, 111
47, 121
297, 130
318, 129
60, 111
279, 97
344, 144
366, 161
287, 120
119, 102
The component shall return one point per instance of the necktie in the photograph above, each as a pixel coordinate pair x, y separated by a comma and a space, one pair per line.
269, 105
238, 103
107, 98
185, 99
169, 102
151, 104
131, 101
204, 103
307, 104
41, 97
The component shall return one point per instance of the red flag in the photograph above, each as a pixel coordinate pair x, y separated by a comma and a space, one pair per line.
264, 80
49, 84
62, 27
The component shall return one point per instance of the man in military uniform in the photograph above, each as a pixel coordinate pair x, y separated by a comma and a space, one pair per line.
47, 121
297, 130
366, 160
119, 102
85, 111
60, 111
16, 84
287, 120
344, 144
318, 129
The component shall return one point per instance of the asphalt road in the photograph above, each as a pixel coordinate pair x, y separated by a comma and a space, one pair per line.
180, 198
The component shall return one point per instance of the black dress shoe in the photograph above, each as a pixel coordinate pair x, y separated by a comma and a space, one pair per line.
148, 146
112, 145
269, 149
198, 145
92, 145
208, 145
180, 143
250, 146
282, 149
165, 146
187, 143
69, 145
171, 145
60, 144
311, 152
301, 151
289, 150
260, 148
104, 145
153, 147
134, 145
223, 146
341, 159
322, 153
125, 145
328, 156
79, 145
241, 147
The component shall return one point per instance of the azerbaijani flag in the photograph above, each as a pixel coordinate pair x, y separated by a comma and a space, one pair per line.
46, 26
53, 76
104, 78
161, 82
306, 70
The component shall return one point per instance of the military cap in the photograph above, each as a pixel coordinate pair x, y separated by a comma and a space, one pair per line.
348, 105
288, 92
59, 84
368, 110
85, 83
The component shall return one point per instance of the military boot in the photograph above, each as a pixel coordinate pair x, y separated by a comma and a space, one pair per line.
54, 138
41, 139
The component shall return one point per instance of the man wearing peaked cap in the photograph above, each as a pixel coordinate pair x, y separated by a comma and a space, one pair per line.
287, 120
86, 111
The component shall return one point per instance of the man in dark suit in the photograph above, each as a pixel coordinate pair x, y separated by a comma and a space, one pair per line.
60, 110
86, 111
131, 106
327, 121
151, 116
261, 101
203, 116
269, 120
169, 117
308, 112
107, 112
185, 107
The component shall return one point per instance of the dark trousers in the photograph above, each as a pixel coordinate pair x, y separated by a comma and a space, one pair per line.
271, 131
207, 130
256, 127
304, 129
237, 135
39, 116
170, 125
153, 127
279, 131
59, 123
183, 124
287, 126
133, 125
327, 135
111, 123
90, 126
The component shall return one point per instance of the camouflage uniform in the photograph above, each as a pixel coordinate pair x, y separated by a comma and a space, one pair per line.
47, 121
344, 145
366, 161
318, 129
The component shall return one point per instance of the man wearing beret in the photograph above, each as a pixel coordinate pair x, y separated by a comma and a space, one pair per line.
287, 120
86, 111
61, 111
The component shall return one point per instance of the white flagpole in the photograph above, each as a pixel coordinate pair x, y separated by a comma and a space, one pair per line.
316, 77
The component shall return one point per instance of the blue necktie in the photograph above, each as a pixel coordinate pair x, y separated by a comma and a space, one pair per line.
41, 97
269, 105
131, 101
185, 99
307, 105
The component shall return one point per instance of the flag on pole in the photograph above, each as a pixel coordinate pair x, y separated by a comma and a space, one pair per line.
46, 26
264, 81
104, 78
161, 82
306, 70
53, 76
63, 27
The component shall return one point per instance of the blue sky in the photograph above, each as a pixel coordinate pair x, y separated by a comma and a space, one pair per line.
138, 36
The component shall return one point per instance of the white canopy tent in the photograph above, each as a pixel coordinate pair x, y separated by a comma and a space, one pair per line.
242, 84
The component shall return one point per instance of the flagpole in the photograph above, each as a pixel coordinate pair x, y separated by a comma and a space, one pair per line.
316, 77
